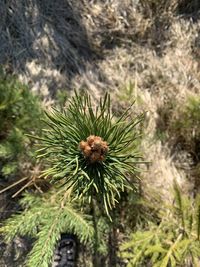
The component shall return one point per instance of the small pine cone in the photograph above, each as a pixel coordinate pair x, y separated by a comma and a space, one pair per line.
104, 147
98, 150
104, 144
101, 158
96, 145
87, 151
95, 156
90, 139
82, 145
97, 139
94, 148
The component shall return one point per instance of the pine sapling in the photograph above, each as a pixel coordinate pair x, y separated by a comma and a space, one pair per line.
88, 157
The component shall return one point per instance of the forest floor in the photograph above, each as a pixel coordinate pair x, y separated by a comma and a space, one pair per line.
145, 50
135, 49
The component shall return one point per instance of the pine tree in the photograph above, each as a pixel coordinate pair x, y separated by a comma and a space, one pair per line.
90, 151
20, 113
89, 157
171, 243
46, 218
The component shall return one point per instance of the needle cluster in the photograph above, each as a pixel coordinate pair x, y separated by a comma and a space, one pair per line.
90, 151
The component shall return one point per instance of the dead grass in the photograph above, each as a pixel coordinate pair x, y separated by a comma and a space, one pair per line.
105, 45
146, 50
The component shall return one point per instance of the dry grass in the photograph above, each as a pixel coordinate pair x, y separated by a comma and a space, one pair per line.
105, 45
148, 50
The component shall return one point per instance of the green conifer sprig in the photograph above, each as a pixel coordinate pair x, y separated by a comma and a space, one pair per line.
45, 219
20, 113
174, 242
60, 146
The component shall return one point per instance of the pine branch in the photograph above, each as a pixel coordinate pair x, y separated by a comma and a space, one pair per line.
61, 220
89, 149
179, 204
197, 215
169, 258
46, 219
172, 245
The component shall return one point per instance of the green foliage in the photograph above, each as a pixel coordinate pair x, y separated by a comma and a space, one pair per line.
129, 91
178, 123
173, 242
181, 123
45, 218
187, 119
70, 169
61, 98
184, 130
19, 114
103, 231
187, 122
75, 177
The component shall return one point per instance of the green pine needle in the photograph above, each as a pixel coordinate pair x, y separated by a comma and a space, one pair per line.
172, 242
69, 167
46, 219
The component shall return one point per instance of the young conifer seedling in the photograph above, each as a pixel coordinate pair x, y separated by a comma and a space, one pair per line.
89, 151
89, 156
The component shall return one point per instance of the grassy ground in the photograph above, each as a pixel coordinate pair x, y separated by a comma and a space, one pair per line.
151, 46
148, 50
